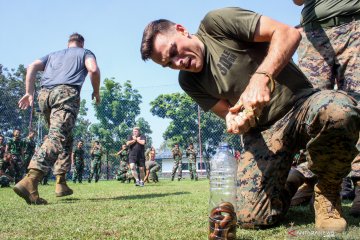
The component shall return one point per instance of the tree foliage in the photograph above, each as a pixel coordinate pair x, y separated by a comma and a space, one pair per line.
117, 114
12, 88
184, 125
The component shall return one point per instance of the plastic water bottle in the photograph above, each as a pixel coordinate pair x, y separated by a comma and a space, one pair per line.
222, 202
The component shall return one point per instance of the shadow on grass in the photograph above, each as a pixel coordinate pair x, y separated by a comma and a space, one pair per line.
70, 200
138, 196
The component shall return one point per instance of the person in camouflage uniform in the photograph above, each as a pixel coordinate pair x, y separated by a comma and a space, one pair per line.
29, 149
6, 170
207, 163
177, 156
16, 147
328, 57
238, 65
2, 146
59, 101
191, 155
78, 163
124, 163
152, 167
96, 153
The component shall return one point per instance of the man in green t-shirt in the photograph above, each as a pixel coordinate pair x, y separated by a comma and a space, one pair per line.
16, 147
238, 65
330, 41
77, 160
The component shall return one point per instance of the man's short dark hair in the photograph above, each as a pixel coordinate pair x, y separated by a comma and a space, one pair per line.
150, 32
76, 37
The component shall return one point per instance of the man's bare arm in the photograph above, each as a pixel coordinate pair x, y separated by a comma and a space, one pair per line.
94, 74
221, 108
28, 99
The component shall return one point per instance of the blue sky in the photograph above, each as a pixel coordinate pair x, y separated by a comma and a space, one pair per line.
113, 31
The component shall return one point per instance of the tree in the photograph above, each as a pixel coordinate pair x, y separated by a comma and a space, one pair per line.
12, 88
117, 114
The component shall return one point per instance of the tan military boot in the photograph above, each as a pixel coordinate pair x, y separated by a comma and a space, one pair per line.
327, 206
27, 188
355, 207
61, 188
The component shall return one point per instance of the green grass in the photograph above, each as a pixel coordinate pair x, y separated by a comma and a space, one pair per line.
112, 210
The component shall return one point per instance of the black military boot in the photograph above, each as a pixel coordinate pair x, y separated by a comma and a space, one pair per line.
355, 207
347, 190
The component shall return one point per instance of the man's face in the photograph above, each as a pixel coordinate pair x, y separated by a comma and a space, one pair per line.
1, 140
31, 135
80, 144
191, 146
176, 146
16, 133
7, 157
136, 132
178, 50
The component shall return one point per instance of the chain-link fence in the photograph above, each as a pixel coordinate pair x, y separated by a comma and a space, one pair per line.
114, 119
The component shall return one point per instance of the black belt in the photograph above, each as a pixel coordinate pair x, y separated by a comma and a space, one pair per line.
331, 22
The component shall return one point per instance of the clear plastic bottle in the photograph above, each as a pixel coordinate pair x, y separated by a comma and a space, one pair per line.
222, 202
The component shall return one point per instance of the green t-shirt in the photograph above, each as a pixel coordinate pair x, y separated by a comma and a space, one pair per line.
15, 146
79, 155
319, 10
231, 58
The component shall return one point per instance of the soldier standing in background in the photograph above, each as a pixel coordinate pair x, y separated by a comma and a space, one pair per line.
96, 153
16, 147
29, 149
191, 155
177, 156
77, 161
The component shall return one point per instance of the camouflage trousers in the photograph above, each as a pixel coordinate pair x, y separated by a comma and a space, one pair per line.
177, 166
27, 159
95, 169
330, 57
18, 167
326, 125
192, 169
121, 174
78, 172
60, 107
153, 167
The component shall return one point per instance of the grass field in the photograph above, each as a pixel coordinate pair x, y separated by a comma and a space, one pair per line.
112, 210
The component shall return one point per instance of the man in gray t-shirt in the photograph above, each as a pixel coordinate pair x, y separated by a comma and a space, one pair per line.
59, 100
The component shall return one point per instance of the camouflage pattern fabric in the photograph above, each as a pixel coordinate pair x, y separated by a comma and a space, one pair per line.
16, 146
331, 56
123, 169
60, 107
191, 155
29, 150
177, 155
96, 164
4, 181
78, 165
2, 150
326, 125
8, 169
154, 167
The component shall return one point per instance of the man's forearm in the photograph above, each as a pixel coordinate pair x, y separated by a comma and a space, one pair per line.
95, 81
128, 143
283, 44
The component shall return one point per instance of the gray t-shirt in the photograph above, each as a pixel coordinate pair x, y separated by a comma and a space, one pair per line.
65, 67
